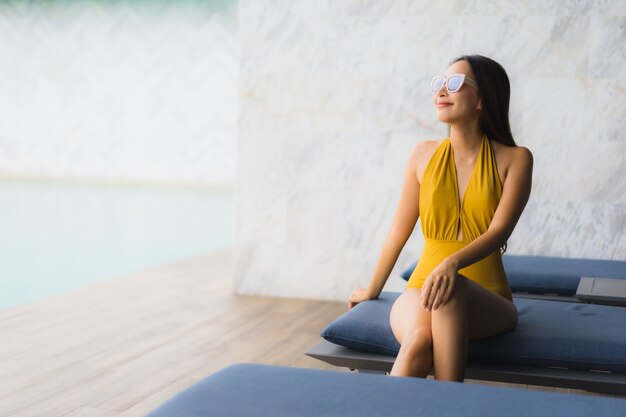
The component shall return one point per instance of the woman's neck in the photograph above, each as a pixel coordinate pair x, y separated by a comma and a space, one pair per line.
465, 140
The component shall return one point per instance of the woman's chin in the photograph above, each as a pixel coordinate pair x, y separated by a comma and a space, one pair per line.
443, 119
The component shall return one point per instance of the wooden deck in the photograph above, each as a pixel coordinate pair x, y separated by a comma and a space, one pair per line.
120, 348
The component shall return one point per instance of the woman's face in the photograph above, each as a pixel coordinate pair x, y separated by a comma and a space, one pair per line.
462, 106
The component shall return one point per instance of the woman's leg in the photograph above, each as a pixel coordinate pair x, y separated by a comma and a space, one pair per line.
450, 335
472, 312
488, 313
410, 324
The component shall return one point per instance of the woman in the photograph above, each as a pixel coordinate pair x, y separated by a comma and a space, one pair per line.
470, 190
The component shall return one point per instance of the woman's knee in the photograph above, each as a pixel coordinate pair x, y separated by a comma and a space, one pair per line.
418, 340
406, 314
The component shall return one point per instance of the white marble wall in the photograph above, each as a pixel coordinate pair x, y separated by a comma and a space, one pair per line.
333, 95
119, 91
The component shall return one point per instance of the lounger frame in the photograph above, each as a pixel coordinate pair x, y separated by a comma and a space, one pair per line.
549, 297
591, 380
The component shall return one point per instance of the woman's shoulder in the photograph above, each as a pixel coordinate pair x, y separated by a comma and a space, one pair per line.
426, 146
512, 153
421, 153
424, 149
523, 153
517, 158
523, 159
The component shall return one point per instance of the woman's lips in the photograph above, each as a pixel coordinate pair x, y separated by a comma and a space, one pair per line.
443, 104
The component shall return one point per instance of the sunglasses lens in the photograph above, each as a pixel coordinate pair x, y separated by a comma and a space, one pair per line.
437, 83
454, 83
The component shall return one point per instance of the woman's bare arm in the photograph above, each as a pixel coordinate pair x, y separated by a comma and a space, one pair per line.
402, 226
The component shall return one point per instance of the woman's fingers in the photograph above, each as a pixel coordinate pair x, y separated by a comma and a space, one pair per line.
431, 299
426, 291
437, 289
448, 292
430, 294
357, 296
438, 300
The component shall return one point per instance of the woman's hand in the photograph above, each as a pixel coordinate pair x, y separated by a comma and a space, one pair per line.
439, 284
357, 296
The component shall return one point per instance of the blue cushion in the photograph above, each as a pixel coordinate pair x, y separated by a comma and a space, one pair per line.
548, 333
542, 274
279, 391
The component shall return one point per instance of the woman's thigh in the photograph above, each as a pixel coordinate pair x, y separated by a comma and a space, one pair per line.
488, 313
408, 314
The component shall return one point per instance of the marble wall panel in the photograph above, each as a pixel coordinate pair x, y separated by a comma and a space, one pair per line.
334, 94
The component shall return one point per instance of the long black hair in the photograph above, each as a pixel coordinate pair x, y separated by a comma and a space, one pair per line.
495, 90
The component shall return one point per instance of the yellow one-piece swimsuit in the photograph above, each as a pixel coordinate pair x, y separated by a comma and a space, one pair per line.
442, 213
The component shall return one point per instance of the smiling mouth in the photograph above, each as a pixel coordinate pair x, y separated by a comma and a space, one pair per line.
443, 104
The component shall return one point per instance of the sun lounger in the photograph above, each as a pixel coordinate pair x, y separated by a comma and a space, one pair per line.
251, 390
552, 278
570, 345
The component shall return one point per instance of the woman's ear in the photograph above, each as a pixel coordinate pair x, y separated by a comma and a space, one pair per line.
480, 105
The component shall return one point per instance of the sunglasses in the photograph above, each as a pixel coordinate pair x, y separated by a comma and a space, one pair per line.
453, 82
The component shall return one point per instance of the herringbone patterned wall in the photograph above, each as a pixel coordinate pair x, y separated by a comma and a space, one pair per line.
125, 91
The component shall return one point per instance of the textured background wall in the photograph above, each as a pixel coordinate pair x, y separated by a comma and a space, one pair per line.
141, 91
333, 95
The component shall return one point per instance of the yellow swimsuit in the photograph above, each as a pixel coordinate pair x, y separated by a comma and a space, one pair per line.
442, 214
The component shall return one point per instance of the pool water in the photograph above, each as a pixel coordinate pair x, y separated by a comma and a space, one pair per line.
57, 237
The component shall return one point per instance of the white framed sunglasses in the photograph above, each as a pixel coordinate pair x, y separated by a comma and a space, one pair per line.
453, 82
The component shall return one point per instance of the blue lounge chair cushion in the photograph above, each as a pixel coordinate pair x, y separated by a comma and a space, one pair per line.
542, 274
548, 333
249, 390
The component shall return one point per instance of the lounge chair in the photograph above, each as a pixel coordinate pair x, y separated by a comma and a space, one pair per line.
251, 390
560, 344
550, 278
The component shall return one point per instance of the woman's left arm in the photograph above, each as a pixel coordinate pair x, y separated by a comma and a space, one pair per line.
515, 193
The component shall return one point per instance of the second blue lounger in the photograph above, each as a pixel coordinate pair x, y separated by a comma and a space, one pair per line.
581, 346
278, 391
550, 275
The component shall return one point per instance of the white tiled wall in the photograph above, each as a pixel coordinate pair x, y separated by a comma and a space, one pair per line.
333, 95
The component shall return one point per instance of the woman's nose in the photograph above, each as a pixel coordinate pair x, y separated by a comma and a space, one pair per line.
443, 90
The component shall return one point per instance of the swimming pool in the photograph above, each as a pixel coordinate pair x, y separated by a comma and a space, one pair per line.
55, 237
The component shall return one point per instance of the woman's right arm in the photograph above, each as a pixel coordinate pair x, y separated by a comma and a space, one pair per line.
402, 226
